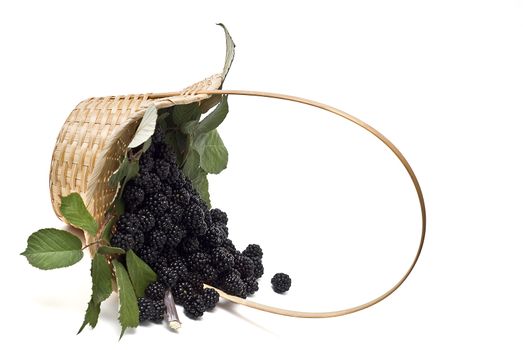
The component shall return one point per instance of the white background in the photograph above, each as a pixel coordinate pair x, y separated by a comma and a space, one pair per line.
329, 204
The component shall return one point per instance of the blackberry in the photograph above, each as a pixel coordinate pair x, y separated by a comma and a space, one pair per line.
281, 282
210, 298
181, 197
128, 223
146, 219
157, 240
227, 244
196, 279
145, 309
168, 276
158, 135
214, 236
195, 307
155, 291
158, 204
149, 182
218, 216
175, 237
232, 283
165, 224
123, 241
251, 285
195, 220
175, 212
179, 267
209, 274
244, 265
253, 251
183, 291
162, 169
157, 311
189, 245
167, 191
161, 262
197, 261
258, 268
132, 196
146, 162
222, 259
149, 255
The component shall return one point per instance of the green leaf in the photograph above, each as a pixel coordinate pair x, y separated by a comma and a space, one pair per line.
146, 128
91, 315
147, 144
212, 151
50, 248
132, 171
74, 211
201, 184
101, 276
128, 303
189, 127
141, 274
106, 250
106, 233
184, 113
191, 167
229, 51
215, 118
120, 173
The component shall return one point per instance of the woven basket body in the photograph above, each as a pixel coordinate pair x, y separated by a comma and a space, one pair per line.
94, 138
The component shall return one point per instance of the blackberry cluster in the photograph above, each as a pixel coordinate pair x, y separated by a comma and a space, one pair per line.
169, 226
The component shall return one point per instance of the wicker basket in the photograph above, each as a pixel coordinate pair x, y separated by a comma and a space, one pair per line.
94, 138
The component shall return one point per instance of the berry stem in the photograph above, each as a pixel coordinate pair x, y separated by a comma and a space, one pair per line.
172, 314
92, 243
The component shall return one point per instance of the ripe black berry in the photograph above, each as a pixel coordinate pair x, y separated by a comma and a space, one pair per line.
281, 282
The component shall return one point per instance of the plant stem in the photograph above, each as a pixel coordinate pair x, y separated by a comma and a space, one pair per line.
92, 243
172, 314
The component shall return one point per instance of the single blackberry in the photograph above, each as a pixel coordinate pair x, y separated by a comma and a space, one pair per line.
251, 285
210, 298
157, 311
196, 279
258, 268
139, 240
149, 182
146, 162
209, 274
222, 259
183, 291
232, 283
175, 212
161, 261
189, 245
145, 309
214, 237
147, 220
155, 291
157, 240
218, 216
167, 191
128, 223
174, 238
168, 276
195, 220
165, 224
162, 169
133, 196
179, 267
195, 307
181, 197
253, 251
244, 265
158, 204
149, 255
123, 241
281, 282
197, 261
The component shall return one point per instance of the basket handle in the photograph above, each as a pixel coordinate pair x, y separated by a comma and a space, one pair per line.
383, 139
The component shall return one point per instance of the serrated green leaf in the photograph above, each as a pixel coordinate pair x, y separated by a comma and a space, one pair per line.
91, 315
212, 151
141, 274
191, 167
146, 128
129, 314
189, 127
74, 211
106, 250
215, 118
201, 184
120, 173
184, 113
101, 276
50, 248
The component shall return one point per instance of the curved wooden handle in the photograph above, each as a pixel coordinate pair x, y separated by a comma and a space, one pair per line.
383, 139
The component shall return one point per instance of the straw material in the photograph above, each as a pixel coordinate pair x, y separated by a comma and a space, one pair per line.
94, 138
